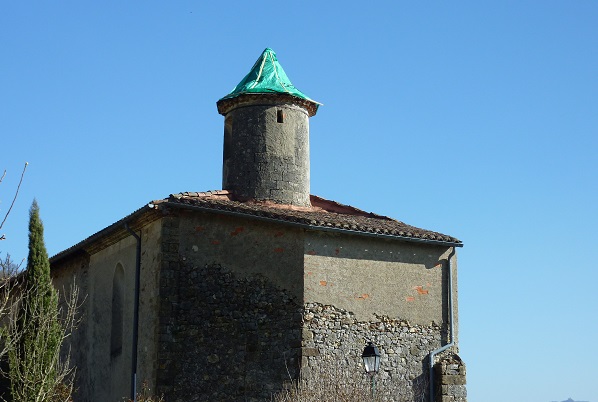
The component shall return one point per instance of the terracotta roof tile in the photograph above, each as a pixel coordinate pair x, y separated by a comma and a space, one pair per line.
323, 214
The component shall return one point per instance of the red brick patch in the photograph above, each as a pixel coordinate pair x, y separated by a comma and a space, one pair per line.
421, 290
237, 231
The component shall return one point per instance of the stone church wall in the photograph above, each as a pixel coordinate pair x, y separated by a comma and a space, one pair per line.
236, 322
367, 276
104, 365
230, 317
392, 293
234, 308
76, 270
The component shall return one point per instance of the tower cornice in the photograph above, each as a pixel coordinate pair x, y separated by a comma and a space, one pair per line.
225, 105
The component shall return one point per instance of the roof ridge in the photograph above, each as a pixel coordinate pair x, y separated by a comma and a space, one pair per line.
195, 194
337, 207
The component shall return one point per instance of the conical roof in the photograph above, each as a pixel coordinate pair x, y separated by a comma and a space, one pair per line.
267, 77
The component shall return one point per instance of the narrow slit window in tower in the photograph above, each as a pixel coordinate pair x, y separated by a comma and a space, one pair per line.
280, 116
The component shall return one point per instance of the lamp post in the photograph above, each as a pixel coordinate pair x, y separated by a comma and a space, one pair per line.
371, 362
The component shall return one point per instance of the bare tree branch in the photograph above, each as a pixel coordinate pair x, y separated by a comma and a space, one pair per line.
58, 380
15, 197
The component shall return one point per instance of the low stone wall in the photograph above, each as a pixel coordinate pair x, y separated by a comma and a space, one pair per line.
450, 379
334, 338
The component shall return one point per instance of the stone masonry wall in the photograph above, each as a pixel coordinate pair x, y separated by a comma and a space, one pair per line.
234, 339
450, 379
227, 332
222, 337
266, 153
334, 337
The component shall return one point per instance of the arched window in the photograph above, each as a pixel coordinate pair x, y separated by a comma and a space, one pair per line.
118, 294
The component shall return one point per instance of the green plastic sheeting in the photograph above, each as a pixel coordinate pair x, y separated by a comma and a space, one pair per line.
267, 76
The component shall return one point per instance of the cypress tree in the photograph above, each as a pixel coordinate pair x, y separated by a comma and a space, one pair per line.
37, 274
34, 358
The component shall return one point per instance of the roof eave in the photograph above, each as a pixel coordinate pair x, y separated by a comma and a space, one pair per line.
135, 220
314, 227
151, 212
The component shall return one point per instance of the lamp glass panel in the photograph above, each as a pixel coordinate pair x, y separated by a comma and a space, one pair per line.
370, 363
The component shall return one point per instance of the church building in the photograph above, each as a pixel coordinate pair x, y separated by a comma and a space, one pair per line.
230, 295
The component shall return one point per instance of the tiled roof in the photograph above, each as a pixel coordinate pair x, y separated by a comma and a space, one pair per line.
323, 215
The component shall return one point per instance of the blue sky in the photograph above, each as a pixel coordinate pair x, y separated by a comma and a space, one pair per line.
475, 119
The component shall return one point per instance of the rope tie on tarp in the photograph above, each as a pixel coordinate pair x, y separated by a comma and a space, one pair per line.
276, 72
259, 74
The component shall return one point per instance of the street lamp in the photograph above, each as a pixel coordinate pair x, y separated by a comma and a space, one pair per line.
371, 362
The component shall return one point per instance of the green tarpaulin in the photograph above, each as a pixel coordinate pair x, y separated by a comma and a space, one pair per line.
267, 76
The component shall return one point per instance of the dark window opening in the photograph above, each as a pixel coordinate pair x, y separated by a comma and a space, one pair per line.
280, 116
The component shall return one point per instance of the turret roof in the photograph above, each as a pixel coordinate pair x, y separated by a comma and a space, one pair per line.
267, 77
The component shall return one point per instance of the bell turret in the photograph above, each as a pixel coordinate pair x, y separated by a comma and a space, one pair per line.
266, 136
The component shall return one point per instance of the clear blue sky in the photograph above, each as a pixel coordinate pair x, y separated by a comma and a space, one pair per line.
476, 119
